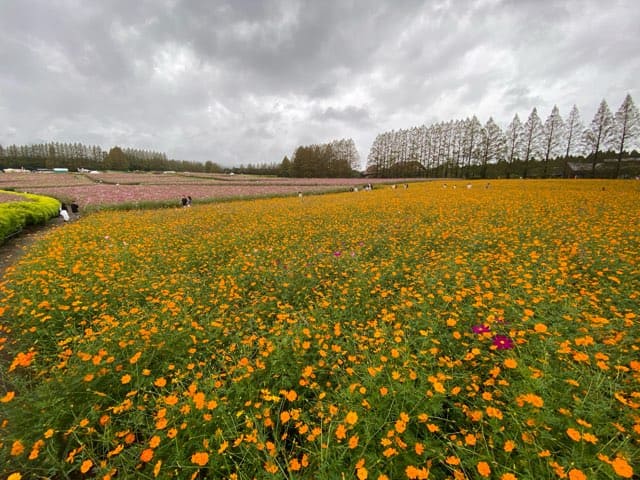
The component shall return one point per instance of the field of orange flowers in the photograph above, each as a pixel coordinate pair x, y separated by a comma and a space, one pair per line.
429, 332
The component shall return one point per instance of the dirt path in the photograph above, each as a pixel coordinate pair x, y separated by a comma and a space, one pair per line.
16, 246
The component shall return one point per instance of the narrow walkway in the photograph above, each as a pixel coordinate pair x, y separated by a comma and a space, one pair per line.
16, 246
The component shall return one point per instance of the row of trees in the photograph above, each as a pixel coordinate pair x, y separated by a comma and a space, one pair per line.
75, 155
466, 148
337, 159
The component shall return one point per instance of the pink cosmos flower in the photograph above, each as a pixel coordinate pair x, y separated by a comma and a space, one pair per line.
502, 342
480, 328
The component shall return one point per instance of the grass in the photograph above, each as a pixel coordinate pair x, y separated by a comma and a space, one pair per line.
422, 333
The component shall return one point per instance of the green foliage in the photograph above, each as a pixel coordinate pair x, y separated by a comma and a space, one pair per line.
337, 159
34, 210
116, 160
77, 156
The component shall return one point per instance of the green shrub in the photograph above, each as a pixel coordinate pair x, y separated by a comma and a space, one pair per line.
34, 210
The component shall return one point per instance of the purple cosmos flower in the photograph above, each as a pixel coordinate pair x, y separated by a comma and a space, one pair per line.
337, 253
480, 328
502, 342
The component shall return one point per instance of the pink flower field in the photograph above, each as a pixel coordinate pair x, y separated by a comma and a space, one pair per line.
111, 188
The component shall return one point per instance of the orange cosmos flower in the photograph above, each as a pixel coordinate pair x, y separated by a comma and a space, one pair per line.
351, 418
574, 434
531, 399
199, 400
510, 363
135, 357
146, 455
223, 446
86, 466
389, 452
470, 439
414, 473
622, 467
22, 360
494, 412
540, 327
200, 458
291, 395
156, 468
17, 448
294, 464
575, 474
362, 473
8, 397
160, 382
483, 469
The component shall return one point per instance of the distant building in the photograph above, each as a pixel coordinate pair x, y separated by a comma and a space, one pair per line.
629, 168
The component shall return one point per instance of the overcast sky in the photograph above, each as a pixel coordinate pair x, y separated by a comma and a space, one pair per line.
247, 81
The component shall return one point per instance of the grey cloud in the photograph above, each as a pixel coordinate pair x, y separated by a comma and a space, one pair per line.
244, 81
349, 115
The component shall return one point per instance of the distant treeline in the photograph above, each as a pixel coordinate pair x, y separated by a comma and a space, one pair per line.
557, 147
336, 159
457, 148
75, 156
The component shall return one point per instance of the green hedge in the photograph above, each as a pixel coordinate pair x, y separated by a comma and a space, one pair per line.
34, 210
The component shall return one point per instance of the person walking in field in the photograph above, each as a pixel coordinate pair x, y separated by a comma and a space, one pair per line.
64, 213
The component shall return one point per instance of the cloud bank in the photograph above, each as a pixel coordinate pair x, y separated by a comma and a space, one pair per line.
242, 81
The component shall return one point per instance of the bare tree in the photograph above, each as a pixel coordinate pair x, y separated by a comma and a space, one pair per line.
492, 145
552, 137
626, 128
531, 135
572, 129
599, 134
513, 136
472, 127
